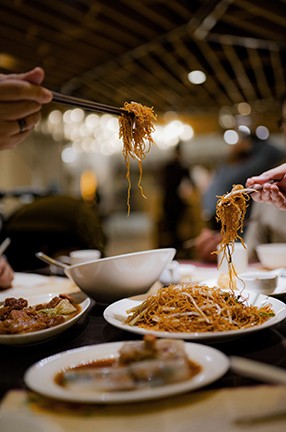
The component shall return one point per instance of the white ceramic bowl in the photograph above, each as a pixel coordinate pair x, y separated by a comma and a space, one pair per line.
272, 255
109, 279
262, 282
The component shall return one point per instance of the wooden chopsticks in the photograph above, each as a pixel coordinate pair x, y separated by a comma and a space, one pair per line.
86, 104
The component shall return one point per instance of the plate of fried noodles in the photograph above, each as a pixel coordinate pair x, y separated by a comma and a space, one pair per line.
196, 312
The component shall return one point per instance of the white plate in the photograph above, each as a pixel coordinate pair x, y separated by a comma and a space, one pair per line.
280, 289
41, 376
41, 335
115, 314
28, 284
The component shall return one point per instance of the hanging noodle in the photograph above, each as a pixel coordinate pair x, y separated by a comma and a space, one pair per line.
192, 308
230, 212
135, 129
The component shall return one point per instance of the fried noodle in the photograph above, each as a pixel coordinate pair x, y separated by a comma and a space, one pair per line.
230, 212
135, 129
192, 308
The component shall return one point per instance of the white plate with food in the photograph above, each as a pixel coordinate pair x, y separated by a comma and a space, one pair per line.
46, 376
116, 314
29, 284
18, 326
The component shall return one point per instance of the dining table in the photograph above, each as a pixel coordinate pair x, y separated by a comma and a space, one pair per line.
233, 402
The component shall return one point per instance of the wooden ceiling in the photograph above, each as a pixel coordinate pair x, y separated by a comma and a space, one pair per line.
113, 51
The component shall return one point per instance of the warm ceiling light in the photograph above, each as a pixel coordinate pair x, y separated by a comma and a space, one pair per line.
197, 77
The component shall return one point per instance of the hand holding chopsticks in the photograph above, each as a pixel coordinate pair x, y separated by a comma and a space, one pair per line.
249, 190
272, 184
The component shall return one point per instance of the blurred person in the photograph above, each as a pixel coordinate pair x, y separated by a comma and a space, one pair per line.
6, 274
21, 100
250, 155
178, 191
55, 225
205, 244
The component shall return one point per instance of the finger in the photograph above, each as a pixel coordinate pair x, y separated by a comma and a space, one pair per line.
277, 197
10, 128
15, 110
272, 174
256, 196
6, 278
279, 201
265, 193
35, 76
12, 141
250, 182
11, 135
17, 90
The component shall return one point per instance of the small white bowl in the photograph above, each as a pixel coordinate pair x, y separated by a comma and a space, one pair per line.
260, 281
109, 279
84, 255
272, 255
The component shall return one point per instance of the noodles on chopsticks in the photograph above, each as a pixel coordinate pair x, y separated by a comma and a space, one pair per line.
230, 212
135, 129
192, 308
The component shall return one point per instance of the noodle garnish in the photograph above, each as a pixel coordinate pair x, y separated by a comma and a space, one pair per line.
230, 212
192, 308
135, 129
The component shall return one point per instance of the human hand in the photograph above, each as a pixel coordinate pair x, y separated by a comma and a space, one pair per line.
206, 243
21, 100
6, 274
271, 193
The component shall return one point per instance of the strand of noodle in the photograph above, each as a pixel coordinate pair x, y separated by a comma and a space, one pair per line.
198, 308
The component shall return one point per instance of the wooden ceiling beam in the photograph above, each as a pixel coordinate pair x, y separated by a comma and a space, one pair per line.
268, 10
220, 73
257, 67
240, 73
210, 88
279, 73
253, 28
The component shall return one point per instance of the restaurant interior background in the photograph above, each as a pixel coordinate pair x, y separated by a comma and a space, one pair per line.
143, 51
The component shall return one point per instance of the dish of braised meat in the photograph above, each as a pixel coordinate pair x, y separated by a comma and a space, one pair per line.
17, 316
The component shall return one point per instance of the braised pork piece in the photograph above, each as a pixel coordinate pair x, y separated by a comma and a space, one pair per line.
16, 316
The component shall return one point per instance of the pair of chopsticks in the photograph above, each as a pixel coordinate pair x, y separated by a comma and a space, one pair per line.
4, 245
257, 370
86, 104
